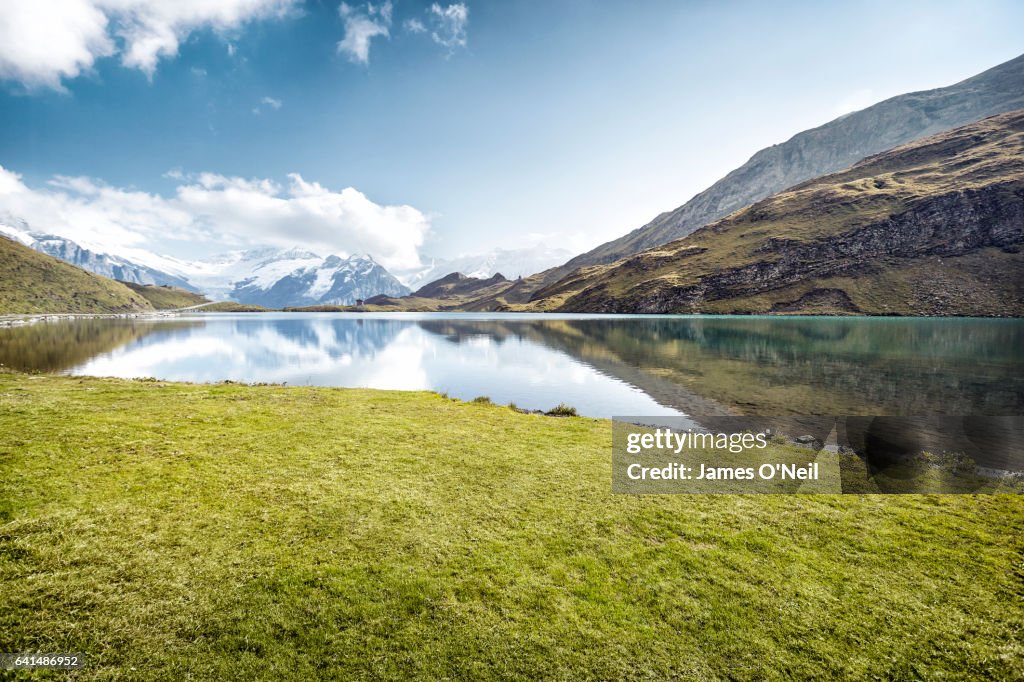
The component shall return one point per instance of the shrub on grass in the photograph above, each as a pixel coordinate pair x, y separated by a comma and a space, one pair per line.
562, 410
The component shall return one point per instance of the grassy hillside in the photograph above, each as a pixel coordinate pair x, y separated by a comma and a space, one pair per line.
237, 532
33, 282
930, 228
167, 297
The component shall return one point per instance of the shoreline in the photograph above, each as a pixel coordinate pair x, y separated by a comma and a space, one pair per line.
9, 320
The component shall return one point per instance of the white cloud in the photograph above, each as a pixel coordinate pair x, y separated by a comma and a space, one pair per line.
45, 43
415, 26
218, 210
362, 26
270, 102
449, 24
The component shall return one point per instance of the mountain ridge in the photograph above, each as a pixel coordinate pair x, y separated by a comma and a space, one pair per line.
830, 147
929, 227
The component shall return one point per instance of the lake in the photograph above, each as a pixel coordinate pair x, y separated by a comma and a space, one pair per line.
603, 365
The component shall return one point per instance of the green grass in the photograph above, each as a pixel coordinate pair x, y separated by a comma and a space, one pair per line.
166, 297
33, 282
243, 532
233, 307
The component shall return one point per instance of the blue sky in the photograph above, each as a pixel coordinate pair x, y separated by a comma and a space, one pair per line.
498, 123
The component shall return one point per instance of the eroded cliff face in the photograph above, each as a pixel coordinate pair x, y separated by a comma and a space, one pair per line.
952, 225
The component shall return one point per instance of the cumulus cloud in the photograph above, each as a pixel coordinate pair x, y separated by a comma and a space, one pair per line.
449, 24
415, 26
362, 26
44, 43
219, 211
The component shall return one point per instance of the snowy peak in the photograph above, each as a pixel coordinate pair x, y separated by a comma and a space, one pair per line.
332, 281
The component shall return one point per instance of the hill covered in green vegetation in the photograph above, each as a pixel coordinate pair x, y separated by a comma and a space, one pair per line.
33, 282
165, 297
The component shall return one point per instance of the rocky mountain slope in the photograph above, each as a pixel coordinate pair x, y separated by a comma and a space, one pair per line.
34, 282
826, 149
929, 228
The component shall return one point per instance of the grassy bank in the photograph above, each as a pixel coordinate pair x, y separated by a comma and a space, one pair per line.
237, 532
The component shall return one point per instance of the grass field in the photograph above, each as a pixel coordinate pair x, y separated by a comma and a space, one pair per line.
260, 532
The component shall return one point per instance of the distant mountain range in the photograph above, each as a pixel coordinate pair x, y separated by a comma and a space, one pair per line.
911, 206
333, 281
269, 277
827, 149
277, 278
511, 263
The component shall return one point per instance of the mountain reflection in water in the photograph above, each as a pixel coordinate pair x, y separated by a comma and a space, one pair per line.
603, 365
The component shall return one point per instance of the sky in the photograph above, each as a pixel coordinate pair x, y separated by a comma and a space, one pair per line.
188, 127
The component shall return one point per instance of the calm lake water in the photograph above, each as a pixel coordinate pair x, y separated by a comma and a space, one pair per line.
602, 365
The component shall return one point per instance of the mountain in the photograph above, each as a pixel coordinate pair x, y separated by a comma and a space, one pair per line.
35, 282
289, 277
251, 270
933, 227
826, 149
512, 263
113, 267
457, 284
333, 281
454, 291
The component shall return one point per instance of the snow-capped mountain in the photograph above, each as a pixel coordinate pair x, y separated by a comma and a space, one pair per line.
334, 281
266, 276
104, 264
258, 269
512, 263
